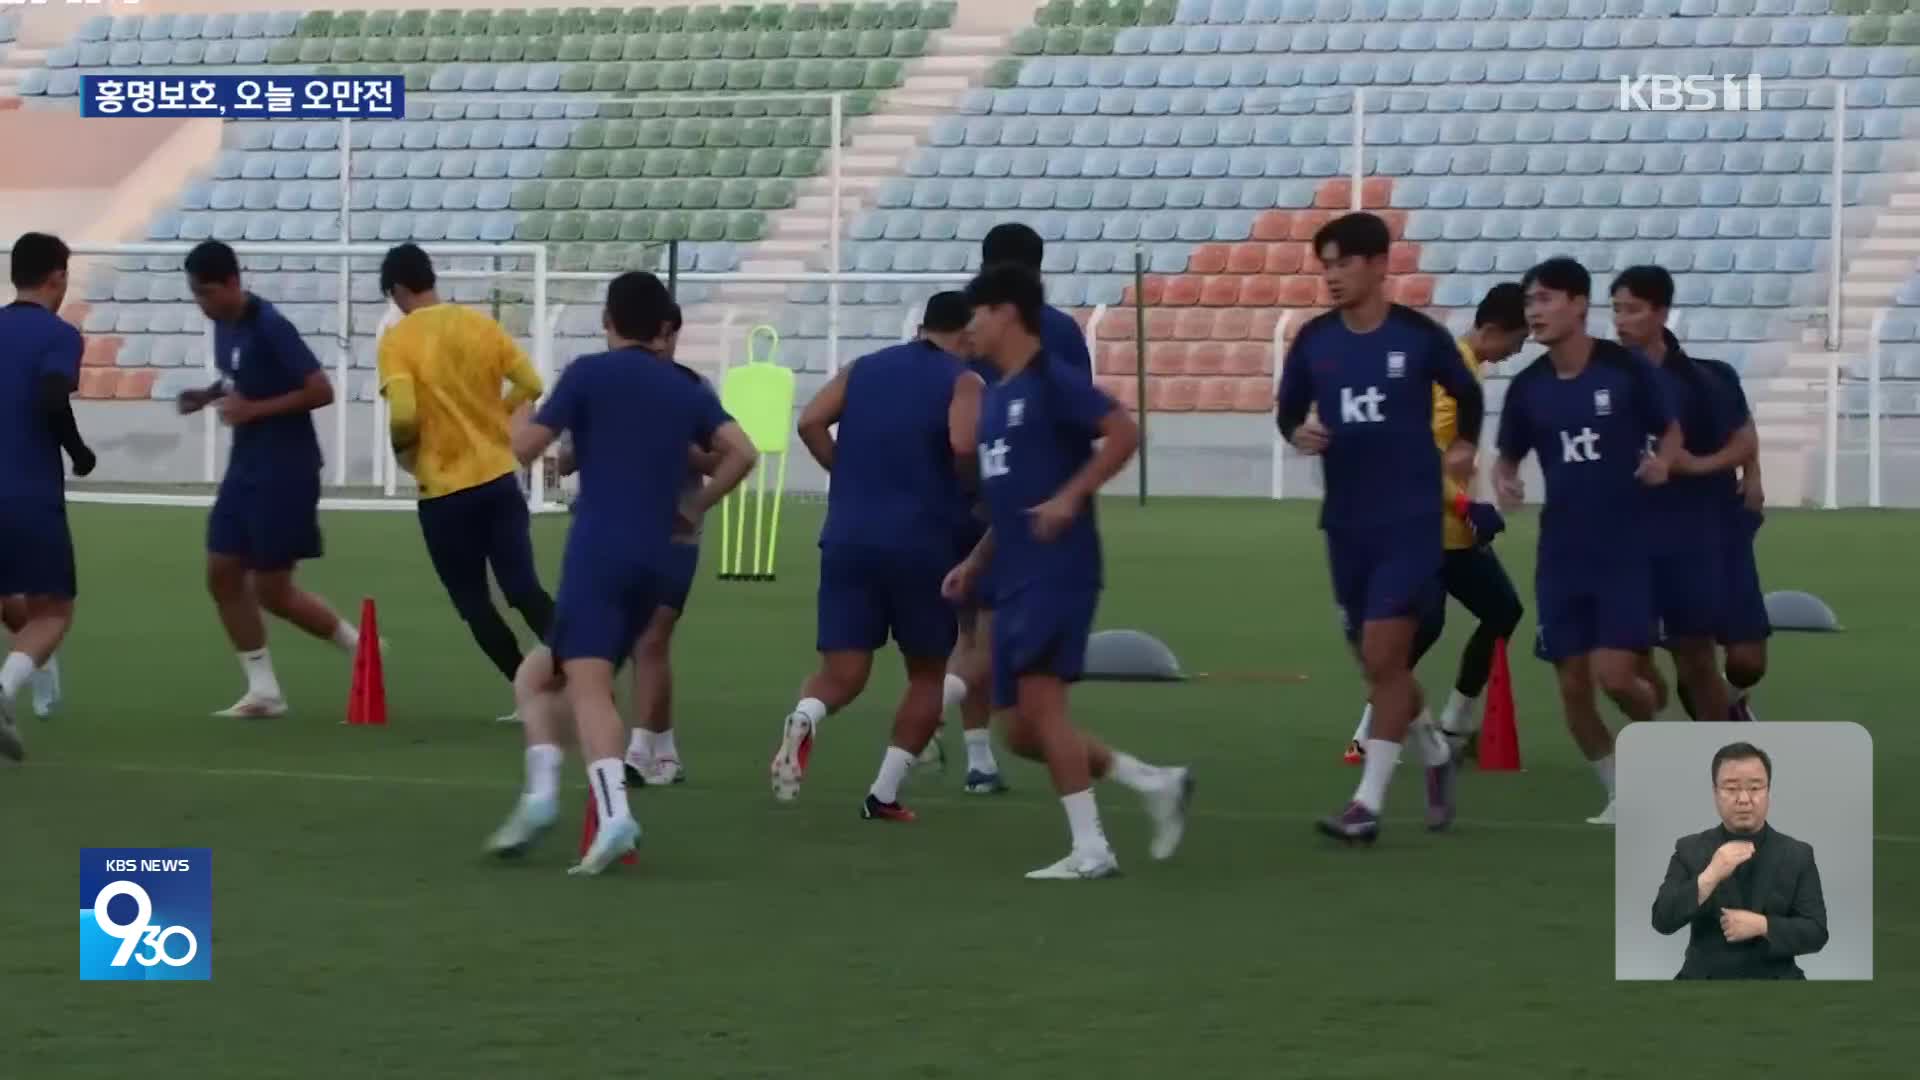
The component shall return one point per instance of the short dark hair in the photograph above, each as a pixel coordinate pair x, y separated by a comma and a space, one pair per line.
1010, 283
947, 312
1651, 284
1504, 306
1362, 234
673, 320
1561, 273
408, 267
1741, 751
37, 257
638, 305
211, 260
1013, 243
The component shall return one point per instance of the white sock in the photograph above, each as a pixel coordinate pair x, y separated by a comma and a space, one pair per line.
608, 780
1133, 774
640, 744
347, 636
1603, 768
13, 674
1428, 741
663, 745
1382, 756
1460, 716
980, 751
1083, 817
543, 771
893, 769
813, 709
261, 682
1365, 730
952, 692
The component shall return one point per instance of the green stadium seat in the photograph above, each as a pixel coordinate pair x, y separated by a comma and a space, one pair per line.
661, 164
609, 78
544, 49
411, 23
606, 47
573, 20
620, 135
879, 75
677, 76
349, 51
670, 20
738, 45
508, 50
315, 50
675, 225
443, 50
636, 20
780, 75
869, 16
348, 24
475, 50
654, 134
746, 75
807, 45
801, 164
747, 228
597, 195
531, 195
631, 195
568, 227
1158, 13
707, 228
904, 15
563, 195
768, 16
590, 135
536, 227
836, 16
379, 24
602, 227
793, 132
506, 24
695, 163
643, 77
577, 79
1123, 13
1061, 41
709, 76
376, 50
417, 77
758, 133
736, 17
666, 194
475, 21
909, 44
540, 22
1097, 41
284, 51
443, 23
802, 17
1004, 74
839, 44
561, 164
773, 195
1029, 41
873, 44
592, 165
705, 46
937, 15
814, 75
605, 20
671, 47
314, 24
703, 19
626, 164
724, 133
729, 164
689, 135
735, 194
636, 226
702, 194
640, 47
772, 45
575, 48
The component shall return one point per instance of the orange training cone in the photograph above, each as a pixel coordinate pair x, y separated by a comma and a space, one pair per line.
592, 829
367, 701
1499, 736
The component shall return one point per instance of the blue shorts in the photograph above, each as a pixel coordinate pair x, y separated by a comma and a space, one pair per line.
867, 594
683, 562
36, 549
1385, 574
603, 607
1040, 631
1593, 607
1686, 595
1743, 611
267, 525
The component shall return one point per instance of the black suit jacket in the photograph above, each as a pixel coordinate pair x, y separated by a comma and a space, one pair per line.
1780, 882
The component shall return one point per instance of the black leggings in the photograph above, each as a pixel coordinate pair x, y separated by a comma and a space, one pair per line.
1474, 577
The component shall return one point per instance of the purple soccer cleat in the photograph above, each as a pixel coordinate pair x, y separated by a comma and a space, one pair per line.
1442, 781
1354, 825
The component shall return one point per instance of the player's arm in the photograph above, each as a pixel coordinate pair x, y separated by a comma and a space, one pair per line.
291, 353
1512, 443
725, 437
1096, 415
1295, 398
963, 426
192, 401
820, 415
1740, 448
59, 377
524, 385
396, 385
958, 584
702, 460
532, 433
1453, 375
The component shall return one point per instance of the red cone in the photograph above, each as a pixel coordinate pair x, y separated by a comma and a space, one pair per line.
1499, 735
592, 829
367, 700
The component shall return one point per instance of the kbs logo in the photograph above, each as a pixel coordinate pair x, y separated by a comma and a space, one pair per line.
146, 914
1694, 93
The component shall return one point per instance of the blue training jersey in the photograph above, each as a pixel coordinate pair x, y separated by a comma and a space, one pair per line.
895, 485
1037, 429
260, 355
1062, 338
1374, 394
34, 343
632, 417
1590, 431
1737, 521
1685, 513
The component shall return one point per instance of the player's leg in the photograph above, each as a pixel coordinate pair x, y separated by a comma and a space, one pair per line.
45, 680
1746, 665
510, 552
284, 599
595, 626
231, 587
544, 721
45, 620
925, 628
1590, 734
458, 532
1745, 626
1433, 623
976, 708
1476, 578
851, 622
1565, 633
1687, 597
652, 754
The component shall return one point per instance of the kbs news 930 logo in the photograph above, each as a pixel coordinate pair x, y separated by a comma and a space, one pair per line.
146, 913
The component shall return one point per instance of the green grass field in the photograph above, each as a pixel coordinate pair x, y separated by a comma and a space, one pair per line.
357, 929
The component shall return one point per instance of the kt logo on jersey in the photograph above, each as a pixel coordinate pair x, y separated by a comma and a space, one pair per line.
146, 913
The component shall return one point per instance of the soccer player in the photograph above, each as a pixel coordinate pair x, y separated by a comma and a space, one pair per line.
906, 417
1744, 625
39, 370
1587, 408
1020, 245
1469, 570
441, 370
266, 516
45, 680
1048, 439
632, 417
1716, 436
1369, 368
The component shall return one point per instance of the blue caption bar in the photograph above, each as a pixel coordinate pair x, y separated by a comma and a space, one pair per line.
307, 97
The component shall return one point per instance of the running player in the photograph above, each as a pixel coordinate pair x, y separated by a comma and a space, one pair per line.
266, 516
44, 683
1469, 570
441, 370
906, 417
39, 370
1744, 625
632, 417
1587, 408
1369, 368
1688, 580
1048, 440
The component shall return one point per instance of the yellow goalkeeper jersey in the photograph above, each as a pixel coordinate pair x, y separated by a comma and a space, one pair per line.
453, 377
1445, 429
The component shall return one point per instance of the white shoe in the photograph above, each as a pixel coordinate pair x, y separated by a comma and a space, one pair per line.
1167, 806
613, 841
510, 718
1604, 817
1080, 866
662, 772
250, 707
10, 745
790, 761
531, 818
45, 682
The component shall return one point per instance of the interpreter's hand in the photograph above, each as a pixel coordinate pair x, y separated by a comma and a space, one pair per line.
1729, 857
1740, 925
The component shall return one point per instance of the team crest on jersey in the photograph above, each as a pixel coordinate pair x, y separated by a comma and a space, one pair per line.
1396, 365
1016, 412
1602, 403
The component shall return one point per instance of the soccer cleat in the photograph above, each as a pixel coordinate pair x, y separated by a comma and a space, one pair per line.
790, 761
1354, 825
875, 810
255, 708
1355, 755
985, 783
1167, 806
530, 820
10, 745
1442, 786
45, 682
662, 772
610, 844
1080, 866
1604, 817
